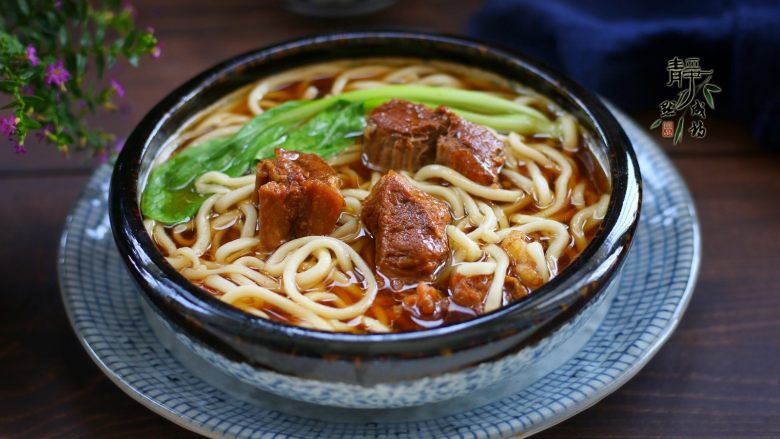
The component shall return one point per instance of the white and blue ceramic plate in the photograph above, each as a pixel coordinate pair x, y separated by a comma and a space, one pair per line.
655, 287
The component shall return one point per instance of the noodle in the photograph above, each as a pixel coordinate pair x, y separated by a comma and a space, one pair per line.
329, 282
456, 179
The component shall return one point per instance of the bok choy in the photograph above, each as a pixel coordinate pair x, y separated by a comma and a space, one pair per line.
322, 126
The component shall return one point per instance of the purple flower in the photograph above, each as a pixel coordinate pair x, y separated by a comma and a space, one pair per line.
156, 52
28, 90
127, 6
120, 91
56, 74
58, 4
19, 148
42, 135
8, 125
31, 55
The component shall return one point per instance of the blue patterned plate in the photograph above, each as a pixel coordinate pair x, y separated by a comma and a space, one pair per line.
655, 288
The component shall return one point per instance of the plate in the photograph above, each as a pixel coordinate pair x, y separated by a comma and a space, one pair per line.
655, 287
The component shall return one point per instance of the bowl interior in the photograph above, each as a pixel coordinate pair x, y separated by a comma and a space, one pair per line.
213, 320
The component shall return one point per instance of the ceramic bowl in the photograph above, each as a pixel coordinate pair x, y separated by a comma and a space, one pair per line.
374, 370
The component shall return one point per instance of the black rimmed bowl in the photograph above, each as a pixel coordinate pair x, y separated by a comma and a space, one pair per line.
374, 370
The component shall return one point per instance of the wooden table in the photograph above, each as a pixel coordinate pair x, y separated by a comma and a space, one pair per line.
718, 376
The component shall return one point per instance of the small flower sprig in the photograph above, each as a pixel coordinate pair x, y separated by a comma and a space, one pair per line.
53, 58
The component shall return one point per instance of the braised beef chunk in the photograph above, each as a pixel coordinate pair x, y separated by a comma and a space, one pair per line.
469, 291
408, 226
514, 289
298, 195
426, 302
276, 213
470, 149
401, 135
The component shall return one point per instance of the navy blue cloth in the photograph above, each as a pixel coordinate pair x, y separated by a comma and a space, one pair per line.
620, 49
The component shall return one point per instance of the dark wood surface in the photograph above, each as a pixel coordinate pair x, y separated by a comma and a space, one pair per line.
718, 376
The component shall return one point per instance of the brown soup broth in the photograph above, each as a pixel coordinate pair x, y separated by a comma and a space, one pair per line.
389, 307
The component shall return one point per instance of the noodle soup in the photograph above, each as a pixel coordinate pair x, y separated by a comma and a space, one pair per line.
376, 195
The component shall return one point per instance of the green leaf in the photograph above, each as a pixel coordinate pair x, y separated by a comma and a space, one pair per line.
327, 133
656, 124
100, 34
128, 42
100, 62
468, 100
122, 22
23, 7
712, 88
708, 98
678, 130
7, 85
62, 36
331, 124
478, 107
170, 204
681, 98
85, 40
26, 75
30, 124
82, 8
33, 99
81, 64
170, 196
519, 123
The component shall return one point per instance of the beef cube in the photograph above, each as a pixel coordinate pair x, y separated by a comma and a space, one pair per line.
276, 213
408, 227
469, 291
470, 149
401, 135
298, 195
426, 302
514, 289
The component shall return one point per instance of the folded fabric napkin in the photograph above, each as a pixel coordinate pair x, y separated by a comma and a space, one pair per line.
621, 49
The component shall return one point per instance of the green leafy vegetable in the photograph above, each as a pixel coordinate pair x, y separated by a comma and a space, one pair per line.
170, 196
170, 204
493, 111
519, 123
323, 126
475, 101
327, 133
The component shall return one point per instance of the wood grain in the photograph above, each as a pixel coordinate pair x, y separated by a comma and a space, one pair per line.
717, 377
